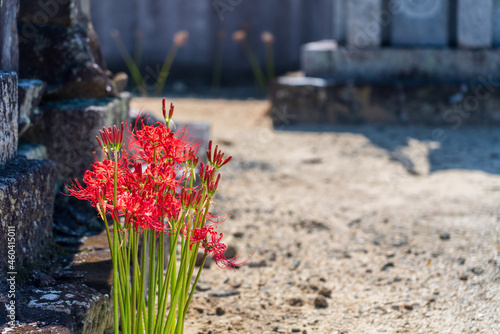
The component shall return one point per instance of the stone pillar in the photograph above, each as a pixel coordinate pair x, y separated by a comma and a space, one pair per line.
475, 23
496, 23
8, 117
9, 51
363, 23
420, 23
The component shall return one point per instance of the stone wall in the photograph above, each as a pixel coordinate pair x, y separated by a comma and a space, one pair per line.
359, 23
293, 22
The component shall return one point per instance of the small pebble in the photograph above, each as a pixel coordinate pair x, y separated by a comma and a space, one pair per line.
477, 271
202, 287
387, 266
408, 307
325, 292
238, 234
220, 311
320, 302
223, 293
260, 264
295, 302
444, 236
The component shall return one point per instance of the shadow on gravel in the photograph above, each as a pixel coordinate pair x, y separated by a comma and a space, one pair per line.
442, 148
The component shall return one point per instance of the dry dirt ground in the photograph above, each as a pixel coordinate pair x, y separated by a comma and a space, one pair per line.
360, 229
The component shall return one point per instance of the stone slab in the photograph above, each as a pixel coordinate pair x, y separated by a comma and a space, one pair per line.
327, 60
26, 204
420, 23
305, 101
8, 116
475, 23
496, 23
363, 26
30, 93
69, 308
9, 51
68, 130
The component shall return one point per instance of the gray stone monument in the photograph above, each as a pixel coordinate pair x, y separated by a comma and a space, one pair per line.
363, 23
420, 23
475, 23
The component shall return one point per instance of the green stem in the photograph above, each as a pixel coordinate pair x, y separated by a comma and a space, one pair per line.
257, 72
194, 286
165, 69
135, 270
152, 281
142, 304
270, 61
131, 65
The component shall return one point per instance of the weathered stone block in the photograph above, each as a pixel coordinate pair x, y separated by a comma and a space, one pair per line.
8, 116
66, 60
496, 23
68, 130
420, 23
64, 308
26, 205
475, 23
29, 96
388, 64
302, 101
9, 51
363, 23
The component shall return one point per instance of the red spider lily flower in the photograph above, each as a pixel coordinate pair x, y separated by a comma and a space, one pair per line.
163, 176
207, 173
212, 185
200, 235
170, 112
191, 199
217, 248
192, 159
158, 143
112, 138
99, 182
216, 159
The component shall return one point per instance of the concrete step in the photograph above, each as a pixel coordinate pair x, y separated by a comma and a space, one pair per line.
326, 59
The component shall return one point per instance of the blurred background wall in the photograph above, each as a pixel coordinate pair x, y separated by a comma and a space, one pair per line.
292, 22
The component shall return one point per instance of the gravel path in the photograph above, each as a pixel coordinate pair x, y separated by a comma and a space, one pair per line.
368, 229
